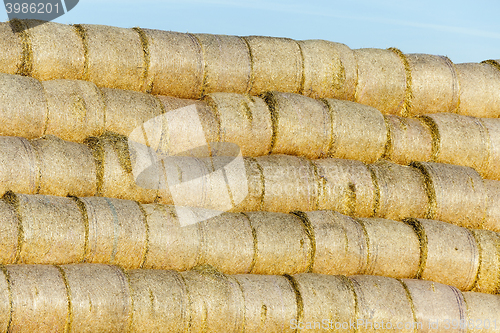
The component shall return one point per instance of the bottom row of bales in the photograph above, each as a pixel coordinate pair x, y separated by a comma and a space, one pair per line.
101, 298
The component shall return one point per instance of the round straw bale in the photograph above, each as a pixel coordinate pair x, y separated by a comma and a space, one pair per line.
10, 230
290, 183
452, 255
53, 229
410, 140
256, 186
456, 194
244, 120
40, 300
434, 84
23, 106
328, 301
175, 64
283, 245
76, 109
66, 168
114, 57
479, 90
228, 66
393, 248
100, 298
483, 312
488, 277
381, 80
329, 69
358, 131
301, 125
347, 186
277, 65
382, 303
171, 245
160, 301
402, 191
492, 126
117, 232
19, 166
5, 301
216, 301
11, 49
460, 140
492, 219
340, 243
270, 303
57, 50
436, 306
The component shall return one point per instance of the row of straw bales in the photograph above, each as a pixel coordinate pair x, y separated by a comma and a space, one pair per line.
191, 65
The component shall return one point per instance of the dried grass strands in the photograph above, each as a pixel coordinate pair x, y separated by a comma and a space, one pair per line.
409, 140
402, 191
277, 65
456, 194
11, 49
301, 125
227, 62
76, 109
434, 84
492, 219
381, 80
175, 64
483, 312
492, 127
10, 232
479, 90
347, 186
358, 131
329, 70
488, 277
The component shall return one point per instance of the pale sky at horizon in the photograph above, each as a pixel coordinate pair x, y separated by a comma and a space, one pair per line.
464, 31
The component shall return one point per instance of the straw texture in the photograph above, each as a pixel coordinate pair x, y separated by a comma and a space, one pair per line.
11, 49
492, 127
483, 312
488, 279
492, 218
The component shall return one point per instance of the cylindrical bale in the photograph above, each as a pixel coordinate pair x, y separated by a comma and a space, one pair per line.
460, 140
492, 171
216, 301
277, 64
393, 248
40, 300
57, 50
23, 106
328, 302
402, 191
244, 120
359, 131
160, 301
340, 243
255, 183
283, 245
101, 299
436, 306
114, 57
270, 303
488, 277
10, 230
171, 245
76, 109
175, 64
329, 69
456, 194
434, 84
483, 312
11, 48
19, 166
53, 229
451, 254
228, 66
410, 140
301, 125
479, 90
346, 186
117, 232
381, 80
492, 219
66, 168
5, 300
382, 304
290, 183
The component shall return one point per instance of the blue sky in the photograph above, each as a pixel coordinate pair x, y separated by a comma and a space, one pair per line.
465, 31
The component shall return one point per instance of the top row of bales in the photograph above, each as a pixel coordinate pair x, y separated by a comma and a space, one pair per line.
191, 65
